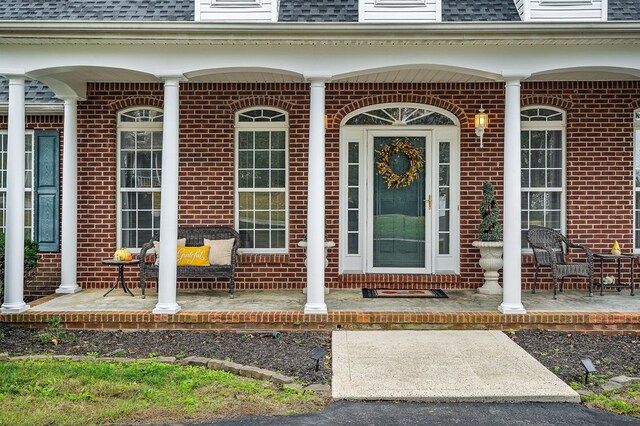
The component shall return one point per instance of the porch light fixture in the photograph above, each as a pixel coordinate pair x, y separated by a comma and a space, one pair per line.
482, 122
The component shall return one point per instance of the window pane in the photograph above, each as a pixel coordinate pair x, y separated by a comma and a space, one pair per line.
353, 220
245, 159
352, 244
353, 176
444, 221
262, 179
445, 152
262, 140
352, 201
278, 179
246, 200
245, 140
353, 153
278, 159
277, 140
262, 159
444, 175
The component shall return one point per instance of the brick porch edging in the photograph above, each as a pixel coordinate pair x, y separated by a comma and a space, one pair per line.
598, 322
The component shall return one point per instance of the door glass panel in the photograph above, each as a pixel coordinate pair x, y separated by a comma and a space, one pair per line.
399, 213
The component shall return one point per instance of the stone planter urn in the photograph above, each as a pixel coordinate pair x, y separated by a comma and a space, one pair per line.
327, 246
491, 263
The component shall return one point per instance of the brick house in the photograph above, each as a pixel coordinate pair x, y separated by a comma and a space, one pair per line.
266, 116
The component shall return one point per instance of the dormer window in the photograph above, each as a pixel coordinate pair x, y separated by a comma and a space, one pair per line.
400, 10
236, 10
562, 10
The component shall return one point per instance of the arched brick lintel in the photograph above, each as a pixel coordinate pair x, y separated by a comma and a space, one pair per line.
133, 101
257, 101
398, 98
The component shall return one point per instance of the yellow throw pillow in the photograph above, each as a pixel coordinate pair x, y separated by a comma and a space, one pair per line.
156, 246
193, 256
220, 253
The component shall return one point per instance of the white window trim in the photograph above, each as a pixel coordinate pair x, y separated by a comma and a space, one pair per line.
152, 126
257, 127
33, 179
551, 125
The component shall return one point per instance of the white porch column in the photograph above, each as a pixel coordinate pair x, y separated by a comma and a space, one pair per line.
14, 242
511, 272
167, 275
68, 281
315, 204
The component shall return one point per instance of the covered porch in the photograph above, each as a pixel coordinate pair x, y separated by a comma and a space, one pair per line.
458, 72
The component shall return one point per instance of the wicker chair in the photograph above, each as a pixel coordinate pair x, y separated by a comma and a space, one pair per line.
549, 250
195, 237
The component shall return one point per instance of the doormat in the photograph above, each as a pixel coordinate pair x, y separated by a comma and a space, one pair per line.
436, 293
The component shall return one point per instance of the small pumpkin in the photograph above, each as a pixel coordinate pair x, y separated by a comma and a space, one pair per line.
122, 254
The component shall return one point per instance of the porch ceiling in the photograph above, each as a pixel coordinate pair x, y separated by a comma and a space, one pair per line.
415, 75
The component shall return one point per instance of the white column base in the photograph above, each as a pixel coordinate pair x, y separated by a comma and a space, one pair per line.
166, 309
508, 309
16, 308
315, 308
69, 289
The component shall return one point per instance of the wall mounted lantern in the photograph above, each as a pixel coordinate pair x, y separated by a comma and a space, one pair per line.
482, 122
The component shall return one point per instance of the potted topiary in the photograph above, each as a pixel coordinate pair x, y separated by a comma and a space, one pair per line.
490, 241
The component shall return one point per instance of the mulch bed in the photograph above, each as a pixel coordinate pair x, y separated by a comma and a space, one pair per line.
561, 352
288, 353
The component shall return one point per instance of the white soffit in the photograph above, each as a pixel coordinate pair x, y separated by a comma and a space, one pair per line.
415, 75
584, 76
247, 77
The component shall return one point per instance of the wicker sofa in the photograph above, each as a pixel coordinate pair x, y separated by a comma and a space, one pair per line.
194, 237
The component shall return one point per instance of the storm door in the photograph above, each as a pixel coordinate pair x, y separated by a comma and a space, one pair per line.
400, 202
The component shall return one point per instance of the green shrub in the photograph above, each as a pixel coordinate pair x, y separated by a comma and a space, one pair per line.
31, 258
490, 228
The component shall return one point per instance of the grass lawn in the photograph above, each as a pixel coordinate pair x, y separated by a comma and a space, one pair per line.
620, 401
62, 392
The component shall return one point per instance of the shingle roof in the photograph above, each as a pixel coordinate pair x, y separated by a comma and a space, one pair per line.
318, 11
624, 10
98, 10
290, 10
479, 10
35, 93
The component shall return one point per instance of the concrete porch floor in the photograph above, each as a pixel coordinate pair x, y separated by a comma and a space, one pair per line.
339, 300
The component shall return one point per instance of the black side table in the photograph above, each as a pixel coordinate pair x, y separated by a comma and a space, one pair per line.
120, 264
618, 258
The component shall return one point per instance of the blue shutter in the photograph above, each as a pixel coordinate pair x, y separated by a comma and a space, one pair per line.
47, 190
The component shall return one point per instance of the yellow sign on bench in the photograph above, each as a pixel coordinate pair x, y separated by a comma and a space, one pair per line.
193, 256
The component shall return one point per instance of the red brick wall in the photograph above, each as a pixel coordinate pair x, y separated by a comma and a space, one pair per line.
599, 167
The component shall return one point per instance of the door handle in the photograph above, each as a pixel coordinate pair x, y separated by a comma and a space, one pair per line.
429, 201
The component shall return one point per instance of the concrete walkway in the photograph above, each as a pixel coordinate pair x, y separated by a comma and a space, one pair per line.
440, 366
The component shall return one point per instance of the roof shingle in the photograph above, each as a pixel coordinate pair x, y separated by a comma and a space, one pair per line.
35, 93
98, 10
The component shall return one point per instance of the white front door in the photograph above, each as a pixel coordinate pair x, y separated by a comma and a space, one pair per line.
399, 217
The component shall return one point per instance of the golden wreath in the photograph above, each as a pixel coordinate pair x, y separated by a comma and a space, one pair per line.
399, 147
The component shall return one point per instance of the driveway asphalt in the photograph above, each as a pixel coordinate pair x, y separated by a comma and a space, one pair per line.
414, 413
